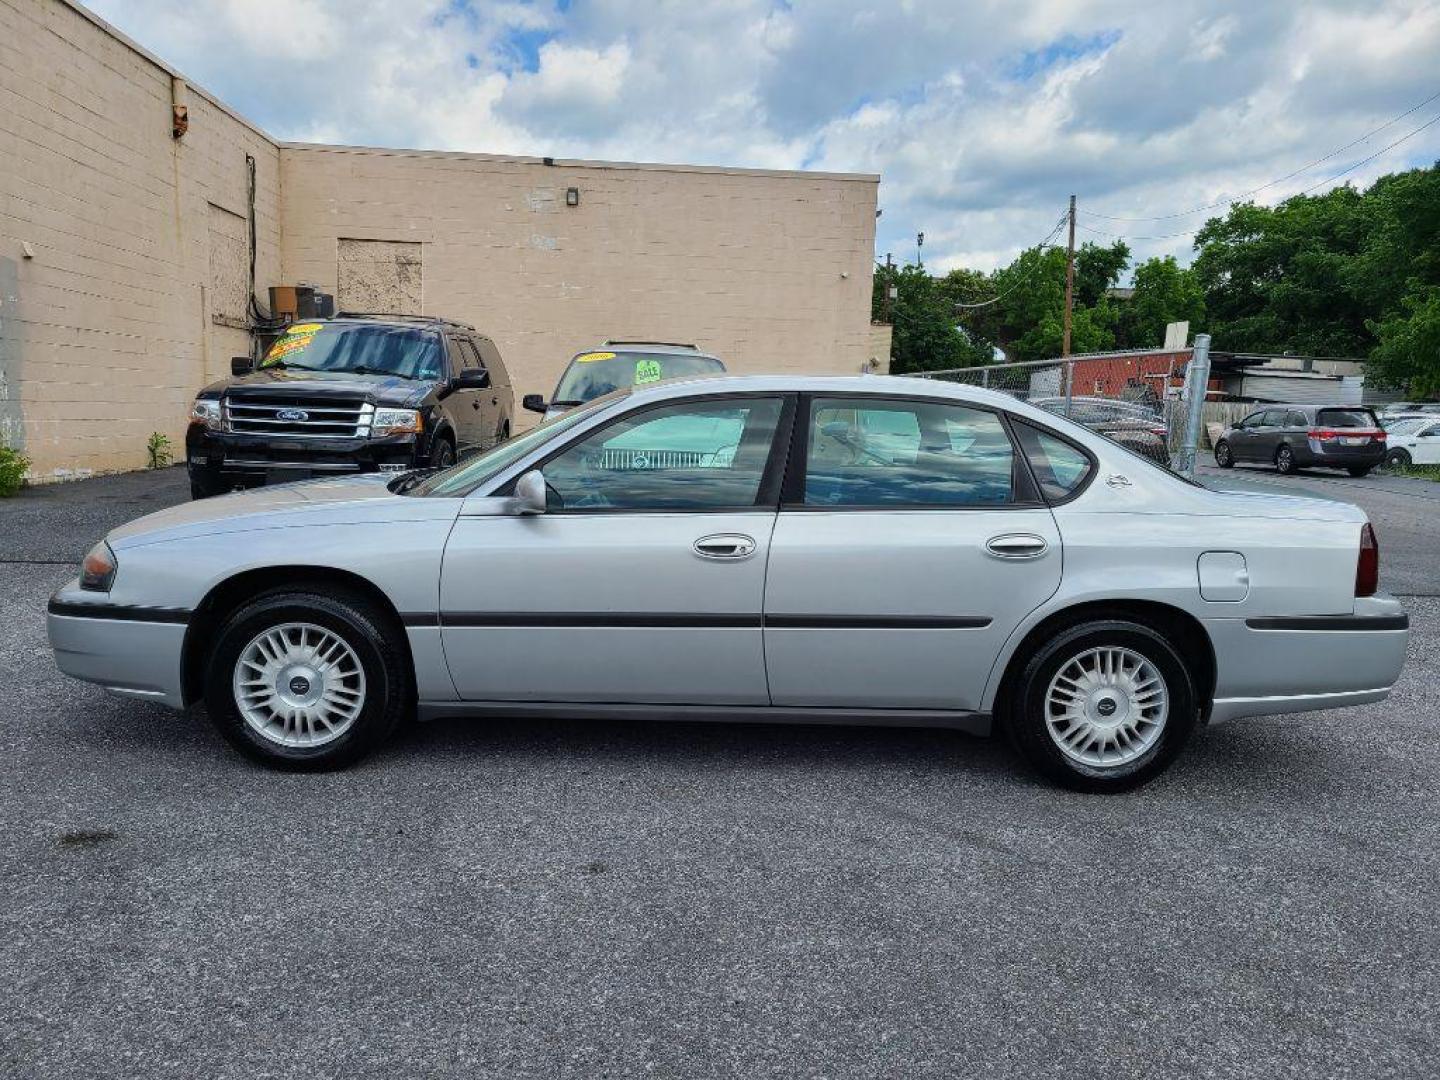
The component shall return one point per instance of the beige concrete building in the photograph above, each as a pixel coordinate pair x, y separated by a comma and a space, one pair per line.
125, 249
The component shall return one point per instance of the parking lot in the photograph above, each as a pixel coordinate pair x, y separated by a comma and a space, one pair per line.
619, 899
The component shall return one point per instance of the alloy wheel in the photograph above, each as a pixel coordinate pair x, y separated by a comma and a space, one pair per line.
299, 685
1106, 707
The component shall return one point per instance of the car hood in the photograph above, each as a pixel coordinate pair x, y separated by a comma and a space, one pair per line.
377, 389
339, 501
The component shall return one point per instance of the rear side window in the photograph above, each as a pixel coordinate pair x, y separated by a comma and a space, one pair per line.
1060, 469
1346, 418
878, 452
1297, 419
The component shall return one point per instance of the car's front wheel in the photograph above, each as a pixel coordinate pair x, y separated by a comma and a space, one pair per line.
1223, 457
1397, 459
308, 679
1103, 706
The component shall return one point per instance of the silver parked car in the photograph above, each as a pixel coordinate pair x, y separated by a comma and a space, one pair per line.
815, 550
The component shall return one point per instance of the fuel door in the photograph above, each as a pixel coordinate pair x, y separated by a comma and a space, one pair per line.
1224, 578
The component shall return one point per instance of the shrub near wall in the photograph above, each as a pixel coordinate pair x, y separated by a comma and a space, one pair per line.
12, 471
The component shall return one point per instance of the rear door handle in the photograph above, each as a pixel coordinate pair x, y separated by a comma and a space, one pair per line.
1017, 546
725, 546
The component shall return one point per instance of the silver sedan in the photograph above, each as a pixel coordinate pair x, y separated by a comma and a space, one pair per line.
812, 550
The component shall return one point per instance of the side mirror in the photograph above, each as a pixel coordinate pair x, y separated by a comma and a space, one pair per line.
241, 365
472, 378
530, 493
533, 402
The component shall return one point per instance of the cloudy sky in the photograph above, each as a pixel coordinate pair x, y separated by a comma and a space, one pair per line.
982, 116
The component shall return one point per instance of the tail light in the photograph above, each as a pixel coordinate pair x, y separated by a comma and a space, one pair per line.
1330, 434
1367, 569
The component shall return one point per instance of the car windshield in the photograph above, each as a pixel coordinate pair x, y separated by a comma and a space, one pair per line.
595, 373
461, 479
402, 351
1346, 418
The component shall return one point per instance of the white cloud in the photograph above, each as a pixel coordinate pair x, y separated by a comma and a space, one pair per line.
981, 116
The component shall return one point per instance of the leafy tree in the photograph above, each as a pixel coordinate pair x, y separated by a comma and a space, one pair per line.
1409, 351
925, 333
1165, 292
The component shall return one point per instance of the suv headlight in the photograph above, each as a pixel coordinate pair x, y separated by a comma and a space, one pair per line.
97, 572
206, 412
394, 422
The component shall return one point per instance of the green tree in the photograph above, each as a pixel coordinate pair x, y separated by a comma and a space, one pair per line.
926, 335
1408, 355
1165, 292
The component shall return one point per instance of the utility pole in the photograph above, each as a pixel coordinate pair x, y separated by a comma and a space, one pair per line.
1069, 280
920, 250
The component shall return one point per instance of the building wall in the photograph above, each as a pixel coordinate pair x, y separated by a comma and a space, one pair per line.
769, 270
128, 304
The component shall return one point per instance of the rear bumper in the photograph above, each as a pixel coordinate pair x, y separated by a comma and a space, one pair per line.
135, 652
1335, 456
1287, 665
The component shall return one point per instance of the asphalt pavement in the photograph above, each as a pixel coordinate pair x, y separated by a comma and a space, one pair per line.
570, 899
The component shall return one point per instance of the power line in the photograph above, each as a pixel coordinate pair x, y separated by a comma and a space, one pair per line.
1328, 180
1065, 217
1278, 180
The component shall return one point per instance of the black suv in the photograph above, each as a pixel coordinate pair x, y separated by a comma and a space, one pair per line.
357, 393
1294, 437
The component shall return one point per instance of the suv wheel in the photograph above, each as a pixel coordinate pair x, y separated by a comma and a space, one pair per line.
1285, 461
1103, 706
442, 453
1222, 455
308, 679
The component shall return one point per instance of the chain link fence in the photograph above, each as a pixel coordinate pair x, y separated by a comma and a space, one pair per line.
1138, 399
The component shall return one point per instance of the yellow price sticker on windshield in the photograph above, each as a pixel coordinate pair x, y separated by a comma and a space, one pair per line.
591, 357
647, 371
306, 328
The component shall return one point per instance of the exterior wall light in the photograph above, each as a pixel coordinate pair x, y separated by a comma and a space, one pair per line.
572, 196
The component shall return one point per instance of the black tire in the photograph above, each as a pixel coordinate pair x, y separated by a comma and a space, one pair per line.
1284, 461
1359, 470
204, 489
442, 452
369, 631
1027, 725
1223, 457
1397, 459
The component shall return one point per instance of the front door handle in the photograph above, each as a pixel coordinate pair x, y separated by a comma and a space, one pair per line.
725, 546
1017, 546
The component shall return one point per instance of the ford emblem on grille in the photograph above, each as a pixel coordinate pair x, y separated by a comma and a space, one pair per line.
296, 415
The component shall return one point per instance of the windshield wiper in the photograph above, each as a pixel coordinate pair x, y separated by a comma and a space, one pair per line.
363, 369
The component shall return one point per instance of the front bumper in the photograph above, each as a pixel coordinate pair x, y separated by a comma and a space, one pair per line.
221, 460
1281, 665
135, 652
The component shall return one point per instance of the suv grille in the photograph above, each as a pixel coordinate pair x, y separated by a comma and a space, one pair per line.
334, 418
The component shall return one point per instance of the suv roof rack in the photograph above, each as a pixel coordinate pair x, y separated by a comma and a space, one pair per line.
399, 317
668, 344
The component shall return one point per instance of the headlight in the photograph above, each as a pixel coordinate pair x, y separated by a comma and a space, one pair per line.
394, 422
97, 572
206, 411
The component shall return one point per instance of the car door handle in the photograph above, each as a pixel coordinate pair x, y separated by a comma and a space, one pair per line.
1017, 546
725, 546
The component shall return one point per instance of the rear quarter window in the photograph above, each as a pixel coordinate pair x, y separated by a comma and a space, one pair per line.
1060, 468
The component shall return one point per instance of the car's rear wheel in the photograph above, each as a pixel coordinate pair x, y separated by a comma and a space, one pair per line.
1397, 459
308, 679
1222, 455
1285, 460
1359, 470
1103, 706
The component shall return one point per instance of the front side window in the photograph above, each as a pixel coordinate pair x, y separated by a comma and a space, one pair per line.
872, 452
358, 349
693, 455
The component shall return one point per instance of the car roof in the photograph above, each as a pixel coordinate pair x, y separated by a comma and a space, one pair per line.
425, 322
653, 348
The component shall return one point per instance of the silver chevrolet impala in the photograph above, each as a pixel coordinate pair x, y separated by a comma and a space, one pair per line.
813, 550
